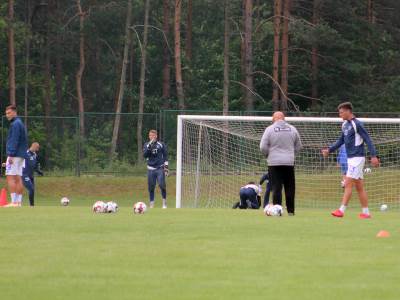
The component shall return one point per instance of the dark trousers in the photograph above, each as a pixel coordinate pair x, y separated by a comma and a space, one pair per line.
29, 184
267, 193
248, 199
154, 176
283, 176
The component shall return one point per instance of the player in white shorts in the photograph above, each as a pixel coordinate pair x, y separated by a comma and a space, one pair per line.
353, 137
16, 152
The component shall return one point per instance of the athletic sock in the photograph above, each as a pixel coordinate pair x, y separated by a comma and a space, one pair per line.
365, 210
19, 198
13, 197
342, 208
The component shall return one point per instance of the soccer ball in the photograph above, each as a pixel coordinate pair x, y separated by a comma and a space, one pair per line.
139, 208
64, 201
99, 207
384, 207
367, 170
273, 210
112, 207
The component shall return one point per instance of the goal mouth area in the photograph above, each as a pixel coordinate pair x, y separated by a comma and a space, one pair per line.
216, 155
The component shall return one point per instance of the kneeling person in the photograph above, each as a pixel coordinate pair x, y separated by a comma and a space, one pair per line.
249, 196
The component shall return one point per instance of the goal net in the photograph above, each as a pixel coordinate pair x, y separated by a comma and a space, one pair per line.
216, 155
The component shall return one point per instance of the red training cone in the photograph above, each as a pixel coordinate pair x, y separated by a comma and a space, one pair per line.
3, 197
383, 234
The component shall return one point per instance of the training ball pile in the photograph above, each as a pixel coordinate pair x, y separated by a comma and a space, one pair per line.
101, 207
273, 210
64, 201
139, 208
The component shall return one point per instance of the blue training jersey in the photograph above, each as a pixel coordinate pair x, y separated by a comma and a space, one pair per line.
31, 165
353, 137
156, 154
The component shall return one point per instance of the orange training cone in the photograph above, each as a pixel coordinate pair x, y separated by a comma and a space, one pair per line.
3, 197
383, 234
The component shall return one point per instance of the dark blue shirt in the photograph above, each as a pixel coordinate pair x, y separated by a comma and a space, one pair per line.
353, 137
17, 139
156, 154
31, 165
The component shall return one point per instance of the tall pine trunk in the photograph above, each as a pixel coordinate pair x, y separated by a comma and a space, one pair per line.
81, 69
188, 45
314, 57
225, 100
178, 61
285, 55
142, 82
275, 62
27, 58
121, 88
166, 73
11, 53
248, 48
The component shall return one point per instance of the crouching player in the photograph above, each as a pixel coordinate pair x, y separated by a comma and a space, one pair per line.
156, 155
31, 165
249, 197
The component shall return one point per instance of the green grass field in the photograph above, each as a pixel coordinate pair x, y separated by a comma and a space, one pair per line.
53, 252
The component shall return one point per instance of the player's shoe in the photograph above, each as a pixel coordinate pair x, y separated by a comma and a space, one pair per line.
337, 213
236, 205
364, 216
151, 204
164, 206
13, 204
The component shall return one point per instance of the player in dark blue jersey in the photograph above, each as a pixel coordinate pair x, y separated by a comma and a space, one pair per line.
156, 155
249, 197
31, 165
354, 137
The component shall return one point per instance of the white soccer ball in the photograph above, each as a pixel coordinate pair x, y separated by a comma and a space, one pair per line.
384, 207
367, 170
99, 207
273, 210
112, 207
139, 208
64, 201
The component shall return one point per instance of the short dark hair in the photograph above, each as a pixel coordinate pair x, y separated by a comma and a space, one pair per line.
12, 107
345, 105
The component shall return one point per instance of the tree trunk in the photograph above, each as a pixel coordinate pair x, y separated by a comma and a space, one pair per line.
314, 58
275, 62
121, 88
11, 53
285, 55
370, 11
248, 31
131, 77
79, 74
178, 62
166, 91
188, 45
225, 100
142, 82
27, 58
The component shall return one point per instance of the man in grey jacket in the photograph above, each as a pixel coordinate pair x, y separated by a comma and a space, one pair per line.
280, 143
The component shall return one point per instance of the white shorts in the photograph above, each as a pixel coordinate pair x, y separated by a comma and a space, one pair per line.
16, 167
355, 167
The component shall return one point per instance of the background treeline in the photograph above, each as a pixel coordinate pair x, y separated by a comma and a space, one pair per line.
67, 58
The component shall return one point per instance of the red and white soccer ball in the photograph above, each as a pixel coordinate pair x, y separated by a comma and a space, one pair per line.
112, 207
64, 201
273, 210
139, 208
99, 207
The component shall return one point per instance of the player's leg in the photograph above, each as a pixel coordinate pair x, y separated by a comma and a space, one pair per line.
243, 198
151, 184
290, 188
253, 202
267, 194
13, 173
276, 178
348, 190
362, 195
163, 186
29, 185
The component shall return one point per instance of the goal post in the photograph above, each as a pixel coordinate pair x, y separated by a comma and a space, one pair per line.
216, 155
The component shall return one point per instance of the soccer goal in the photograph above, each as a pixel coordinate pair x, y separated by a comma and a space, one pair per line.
216, 155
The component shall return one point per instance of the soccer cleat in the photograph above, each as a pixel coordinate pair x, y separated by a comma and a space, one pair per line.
236, 205
337, 213
164, 206
364, 216
151, 204
13, 204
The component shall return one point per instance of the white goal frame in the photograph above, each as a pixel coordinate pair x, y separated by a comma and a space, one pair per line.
292, 120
